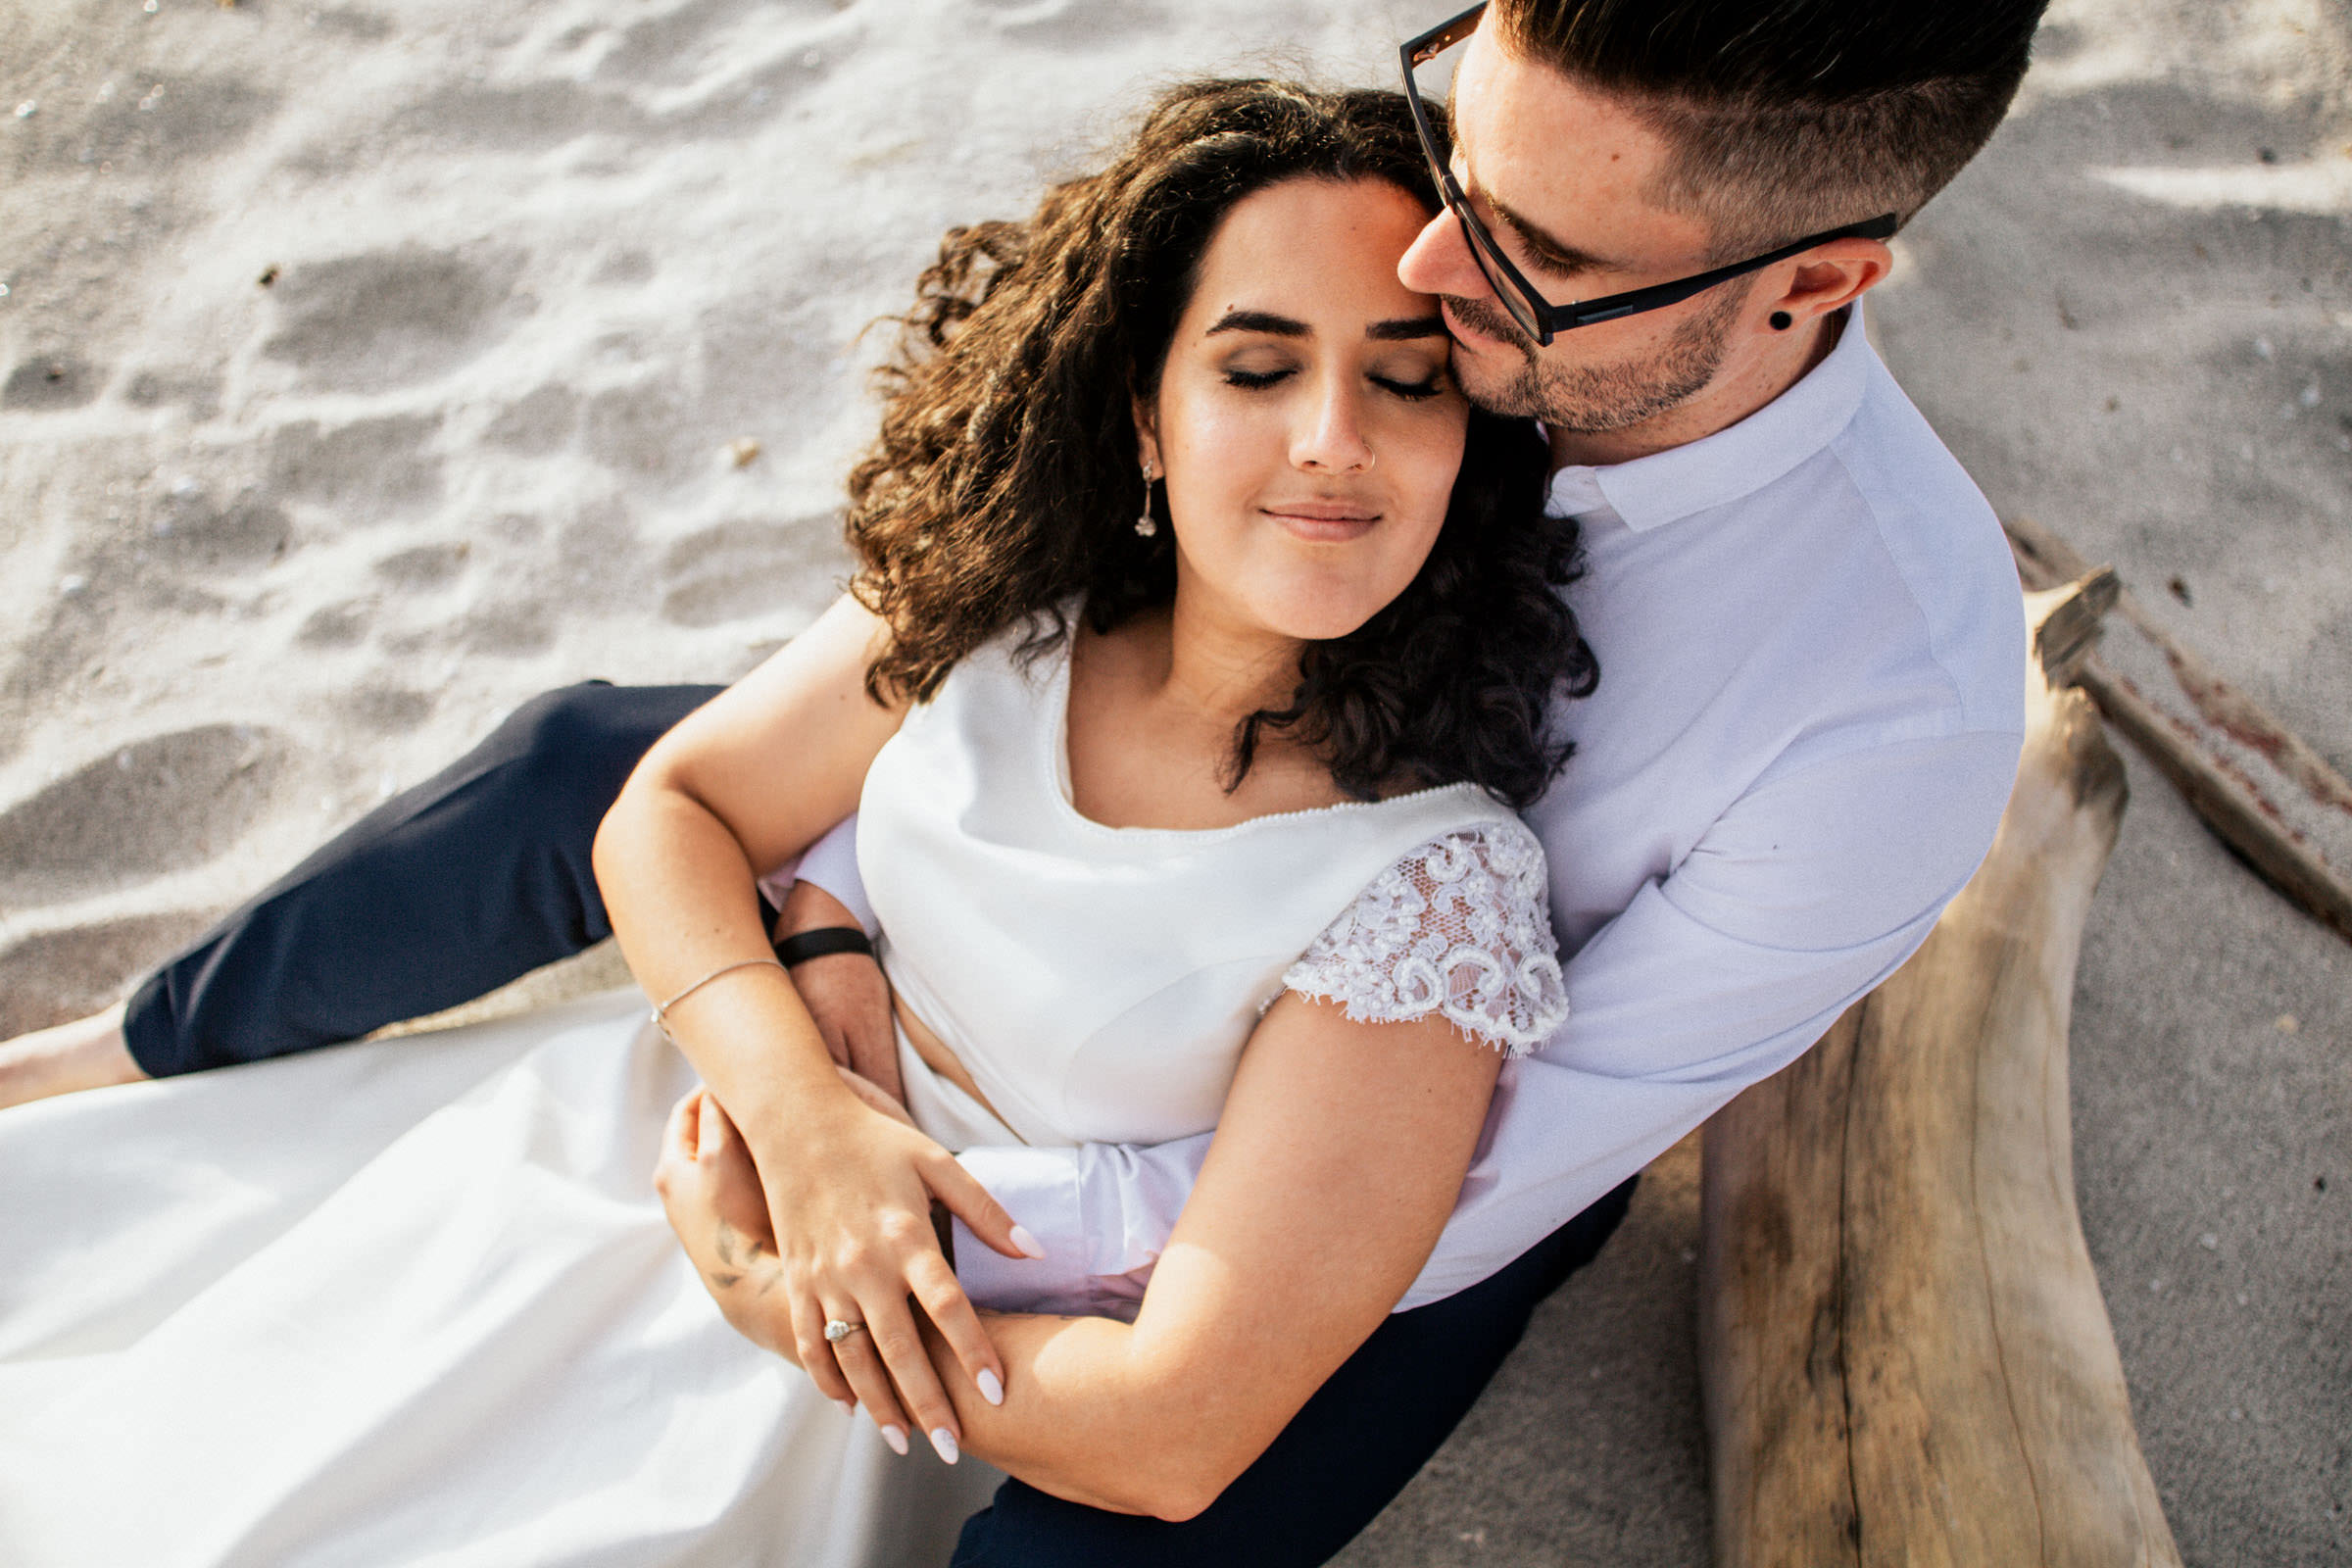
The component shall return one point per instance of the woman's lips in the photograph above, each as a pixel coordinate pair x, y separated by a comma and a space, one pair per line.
1324, 521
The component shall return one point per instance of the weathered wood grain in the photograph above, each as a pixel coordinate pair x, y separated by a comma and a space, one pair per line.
1905, 1354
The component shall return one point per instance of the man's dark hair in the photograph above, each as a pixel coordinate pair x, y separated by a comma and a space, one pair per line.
1787, 116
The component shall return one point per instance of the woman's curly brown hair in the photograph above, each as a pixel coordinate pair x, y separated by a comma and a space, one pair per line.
1003, 484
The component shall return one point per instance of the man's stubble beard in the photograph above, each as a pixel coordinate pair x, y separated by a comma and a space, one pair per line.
1594, 399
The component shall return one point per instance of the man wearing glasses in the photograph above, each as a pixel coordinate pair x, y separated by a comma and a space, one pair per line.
1660, 216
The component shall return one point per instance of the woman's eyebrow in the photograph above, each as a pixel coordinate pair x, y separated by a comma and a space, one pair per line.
1398, 329
1265, 321
1405, 328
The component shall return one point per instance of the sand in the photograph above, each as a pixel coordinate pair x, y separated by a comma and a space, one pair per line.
365, 370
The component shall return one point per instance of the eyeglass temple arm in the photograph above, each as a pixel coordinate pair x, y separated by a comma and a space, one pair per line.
1445, 36
1609, 306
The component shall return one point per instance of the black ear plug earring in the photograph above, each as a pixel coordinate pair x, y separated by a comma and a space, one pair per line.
1782, 321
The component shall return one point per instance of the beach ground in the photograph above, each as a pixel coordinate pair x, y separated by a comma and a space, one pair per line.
365, 370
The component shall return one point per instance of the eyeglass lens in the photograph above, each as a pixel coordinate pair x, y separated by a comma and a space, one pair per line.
1433, 82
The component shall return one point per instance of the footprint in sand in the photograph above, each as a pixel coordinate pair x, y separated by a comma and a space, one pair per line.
511, 630
341, 626
159, 804
364, 323
424, 567
538, 422
387, 709
49, 382
366, 470
741, 570
647, 430
679, 47
165, 121
193, 533
363, 27
198, 391
58, 975
1064, 24
530, 117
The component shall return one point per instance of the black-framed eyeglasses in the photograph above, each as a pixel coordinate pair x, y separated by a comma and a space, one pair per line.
1536, 315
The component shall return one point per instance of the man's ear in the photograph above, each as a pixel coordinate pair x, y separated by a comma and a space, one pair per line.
1832, 276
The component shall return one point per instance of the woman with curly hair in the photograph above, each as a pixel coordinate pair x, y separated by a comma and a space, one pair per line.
1197, 660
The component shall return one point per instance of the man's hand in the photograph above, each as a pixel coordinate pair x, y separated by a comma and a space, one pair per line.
711, 1195
843, 992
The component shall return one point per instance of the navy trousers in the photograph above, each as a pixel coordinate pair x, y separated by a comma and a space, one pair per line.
481, 874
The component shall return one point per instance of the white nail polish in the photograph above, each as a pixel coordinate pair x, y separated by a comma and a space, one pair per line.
992, 1388
896, 1437
1027, 1241
848, 1406
944, 1441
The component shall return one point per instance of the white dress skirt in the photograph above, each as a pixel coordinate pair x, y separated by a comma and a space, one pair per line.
414, 1301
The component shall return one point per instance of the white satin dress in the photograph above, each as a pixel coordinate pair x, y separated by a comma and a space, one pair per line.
412, 1302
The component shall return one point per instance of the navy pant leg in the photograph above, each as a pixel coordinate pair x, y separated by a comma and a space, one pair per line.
442, 893
1357, 1442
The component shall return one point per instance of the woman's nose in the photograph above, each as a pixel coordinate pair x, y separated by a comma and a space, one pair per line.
1331, 440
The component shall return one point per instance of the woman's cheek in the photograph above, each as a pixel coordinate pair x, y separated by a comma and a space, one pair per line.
1429, 459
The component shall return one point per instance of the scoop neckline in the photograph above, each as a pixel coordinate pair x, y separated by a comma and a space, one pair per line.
1057, 775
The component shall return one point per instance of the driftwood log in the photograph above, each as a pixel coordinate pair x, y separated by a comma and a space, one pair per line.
1905, 1356
2260, 787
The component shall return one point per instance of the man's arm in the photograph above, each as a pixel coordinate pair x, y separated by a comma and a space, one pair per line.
1808, 893
1106, 1208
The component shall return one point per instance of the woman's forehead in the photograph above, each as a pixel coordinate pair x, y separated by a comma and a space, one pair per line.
1315, 250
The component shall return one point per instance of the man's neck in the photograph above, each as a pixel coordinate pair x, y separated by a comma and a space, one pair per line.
1738, 391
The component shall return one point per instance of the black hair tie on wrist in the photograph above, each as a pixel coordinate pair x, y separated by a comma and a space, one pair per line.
822, 942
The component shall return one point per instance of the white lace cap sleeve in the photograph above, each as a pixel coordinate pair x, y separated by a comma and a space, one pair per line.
1461, 927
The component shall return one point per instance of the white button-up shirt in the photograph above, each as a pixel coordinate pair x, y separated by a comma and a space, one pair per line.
1810, 706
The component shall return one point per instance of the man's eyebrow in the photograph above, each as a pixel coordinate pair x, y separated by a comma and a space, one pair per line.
1547, 249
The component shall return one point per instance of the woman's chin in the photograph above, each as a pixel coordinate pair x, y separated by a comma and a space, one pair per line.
1322, 619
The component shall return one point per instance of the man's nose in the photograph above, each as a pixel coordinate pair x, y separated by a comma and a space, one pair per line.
1331, 440
1439, 261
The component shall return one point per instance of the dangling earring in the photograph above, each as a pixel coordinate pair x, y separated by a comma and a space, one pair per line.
1782, 321
1146, 525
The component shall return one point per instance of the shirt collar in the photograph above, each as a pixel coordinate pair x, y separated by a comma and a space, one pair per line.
1737, 460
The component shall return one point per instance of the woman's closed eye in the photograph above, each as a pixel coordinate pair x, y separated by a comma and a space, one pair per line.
1412, 391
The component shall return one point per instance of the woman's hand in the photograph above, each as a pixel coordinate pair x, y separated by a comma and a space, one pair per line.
849, 1194
875, 1096
849, 1197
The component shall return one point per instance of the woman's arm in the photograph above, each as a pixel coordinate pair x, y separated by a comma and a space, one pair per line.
751, 778
1340, 1154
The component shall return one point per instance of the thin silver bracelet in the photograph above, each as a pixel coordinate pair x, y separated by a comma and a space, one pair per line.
662, 1009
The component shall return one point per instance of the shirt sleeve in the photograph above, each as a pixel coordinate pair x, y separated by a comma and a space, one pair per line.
831, 862
1459, 927
1814, 887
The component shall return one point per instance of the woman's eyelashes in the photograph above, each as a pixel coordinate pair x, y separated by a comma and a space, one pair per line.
1414, 391
1429, 385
